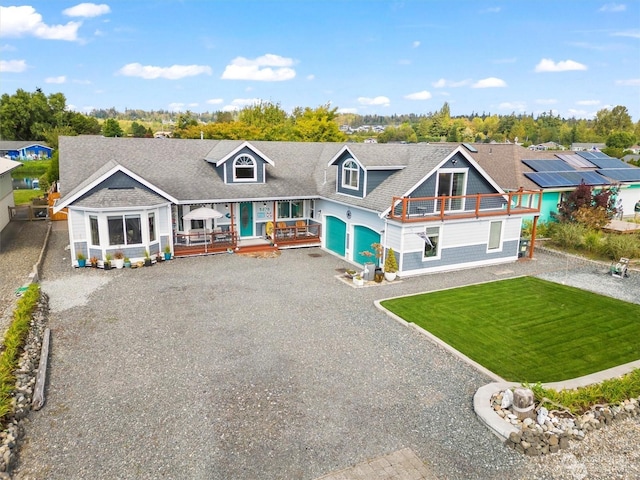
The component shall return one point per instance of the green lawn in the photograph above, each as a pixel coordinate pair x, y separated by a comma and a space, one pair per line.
20, 197
527, 329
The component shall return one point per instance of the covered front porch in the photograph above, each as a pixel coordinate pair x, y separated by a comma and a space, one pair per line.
282, 235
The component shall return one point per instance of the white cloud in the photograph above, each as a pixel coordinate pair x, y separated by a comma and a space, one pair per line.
174, 72
416, 44
87, 10
613, 7
176, 106
513, 106
404, 61
442, 83
311, 77
423, 95
548, 65
193, 105
230, 108
347, 110
546, 101
587, 103
239, 103
13, 66
7, 48
267, 68
380, 100
215, 101
491, 82
631, 82
24, 20
628, 33
60, 79
574, 112
491, 10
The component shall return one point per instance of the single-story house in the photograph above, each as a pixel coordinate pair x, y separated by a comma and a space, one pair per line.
22, 150
434, 205
6, 189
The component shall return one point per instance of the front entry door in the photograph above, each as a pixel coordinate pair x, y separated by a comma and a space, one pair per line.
246, 219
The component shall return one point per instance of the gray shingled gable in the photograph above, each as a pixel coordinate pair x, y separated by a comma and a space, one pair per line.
182, 168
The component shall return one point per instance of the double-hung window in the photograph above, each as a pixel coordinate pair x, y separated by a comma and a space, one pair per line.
350, 175
95, 233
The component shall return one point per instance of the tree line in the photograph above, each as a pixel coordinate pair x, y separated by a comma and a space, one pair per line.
35, 116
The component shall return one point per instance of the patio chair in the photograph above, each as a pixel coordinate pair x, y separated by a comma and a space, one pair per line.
620, 269
301, 227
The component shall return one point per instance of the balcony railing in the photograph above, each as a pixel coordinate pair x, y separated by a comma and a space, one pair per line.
421, 209
297, 233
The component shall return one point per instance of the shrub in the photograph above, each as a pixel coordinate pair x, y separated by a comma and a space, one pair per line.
593, 241
390, 263
616, 246
568, 235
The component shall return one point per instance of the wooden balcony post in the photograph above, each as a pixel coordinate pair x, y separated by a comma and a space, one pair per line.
404, 208
478, 200
533, 236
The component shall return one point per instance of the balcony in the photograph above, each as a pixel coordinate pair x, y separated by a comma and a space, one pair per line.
424, 209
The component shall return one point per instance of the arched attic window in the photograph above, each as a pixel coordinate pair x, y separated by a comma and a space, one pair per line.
244, 168
350, 174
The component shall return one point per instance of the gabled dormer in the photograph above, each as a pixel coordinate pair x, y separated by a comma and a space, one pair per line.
245, 164
357, 176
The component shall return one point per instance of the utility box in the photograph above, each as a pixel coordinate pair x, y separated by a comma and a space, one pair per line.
524, 247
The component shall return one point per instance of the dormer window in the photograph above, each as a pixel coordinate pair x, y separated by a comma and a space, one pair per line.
244, 169
350, 175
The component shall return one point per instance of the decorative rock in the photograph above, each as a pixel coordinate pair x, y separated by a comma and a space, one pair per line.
543, 414
507, 399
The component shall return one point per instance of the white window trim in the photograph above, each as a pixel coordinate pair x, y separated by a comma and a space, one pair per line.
464, 171
438, 254
501, 242
355, 171
255, 169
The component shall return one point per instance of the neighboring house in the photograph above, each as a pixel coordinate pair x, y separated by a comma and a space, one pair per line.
547, 146
586, 147
6, 189
557, 174
19, 150
433, 204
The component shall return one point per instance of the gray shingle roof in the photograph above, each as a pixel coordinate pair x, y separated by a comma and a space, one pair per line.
7, 165
18, 144
178, 167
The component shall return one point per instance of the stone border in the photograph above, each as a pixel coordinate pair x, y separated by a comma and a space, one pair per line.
26, 372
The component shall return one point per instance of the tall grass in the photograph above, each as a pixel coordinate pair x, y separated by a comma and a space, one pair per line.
13, 342
579, 238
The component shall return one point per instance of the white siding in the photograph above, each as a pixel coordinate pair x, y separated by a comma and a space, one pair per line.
78, 225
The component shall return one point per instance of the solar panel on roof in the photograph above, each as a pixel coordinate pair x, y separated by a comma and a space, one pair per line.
548, 165
590, 178
566, 178
610, 163
621, 174
575, 160
592, 155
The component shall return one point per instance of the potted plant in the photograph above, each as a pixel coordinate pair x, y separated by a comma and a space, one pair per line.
358, 281
82, 260
94, 262
370, 267
167, 252
159, 257
127, 262
107, 262
147, 259
349, 273
118, 259
390, 266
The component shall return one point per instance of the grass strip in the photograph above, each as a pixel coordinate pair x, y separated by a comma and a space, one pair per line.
13, 342
21, 197
612, 391
527, 329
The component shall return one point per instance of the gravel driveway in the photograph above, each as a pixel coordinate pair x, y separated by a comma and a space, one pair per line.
231, 367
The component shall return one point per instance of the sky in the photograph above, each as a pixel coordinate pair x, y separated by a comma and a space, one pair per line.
567, 57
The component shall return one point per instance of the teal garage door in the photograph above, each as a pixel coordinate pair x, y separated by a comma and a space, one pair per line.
363, 237
336, 235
